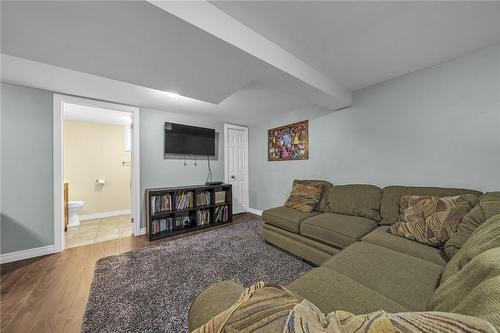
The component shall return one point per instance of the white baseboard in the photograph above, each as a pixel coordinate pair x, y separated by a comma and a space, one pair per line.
104, 214
26, 254
254, 211
142, 232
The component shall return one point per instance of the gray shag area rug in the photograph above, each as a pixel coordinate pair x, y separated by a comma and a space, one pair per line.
151, 289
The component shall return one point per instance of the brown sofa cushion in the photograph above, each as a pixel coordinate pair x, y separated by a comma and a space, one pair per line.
330, 291
474, 290
431, 220
489, 205
405, 279
212, 301
391, 196
336, 229
286, 218
304, 197
355, 200
326, 186
381, 237
485, 237
265, 307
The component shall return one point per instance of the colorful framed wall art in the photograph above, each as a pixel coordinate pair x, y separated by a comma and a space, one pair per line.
289, 142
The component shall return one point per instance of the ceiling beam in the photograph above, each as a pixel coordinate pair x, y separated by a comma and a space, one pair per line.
313, 85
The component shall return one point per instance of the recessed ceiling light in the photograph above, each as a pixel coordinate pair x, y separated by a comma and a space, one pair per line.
178, 98
172, 94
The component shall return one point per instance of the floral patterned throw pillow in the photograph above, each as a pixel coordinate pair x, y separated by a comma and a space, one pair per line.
431, 220
304, 197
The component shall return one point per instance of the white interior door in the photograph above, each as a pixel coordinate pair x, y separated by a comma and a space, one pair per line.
236, 165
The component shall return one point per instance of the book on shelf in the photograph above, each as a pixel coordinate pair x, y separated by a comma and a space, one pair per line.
221, 214
182, 222
184, 200
161, 203
161, 225
170, 224
203, 217
203, 199
220, 197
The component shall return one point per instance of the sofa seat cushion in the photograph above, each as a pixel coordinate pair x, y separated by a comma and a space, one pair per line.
381, 237
405, 279
303, 247
286, 218
336, 229
330, 291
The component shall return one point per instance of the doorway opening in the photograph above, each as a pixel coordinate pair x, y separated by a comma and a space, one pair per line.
96, 171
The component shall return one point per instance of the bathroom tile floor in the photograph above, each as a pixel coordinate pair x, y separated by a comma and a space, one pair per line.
98, 230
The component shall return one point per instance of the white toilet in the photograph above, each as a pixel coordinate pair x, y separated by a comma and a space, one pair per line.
74, 208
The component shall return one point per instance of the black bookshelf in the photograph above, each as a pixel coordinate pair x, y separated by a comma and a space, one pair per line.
172, 211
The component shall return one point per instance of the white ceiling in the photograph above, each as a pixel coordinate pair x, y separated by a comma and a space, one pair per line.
132, 52
130, 41
362, 43
97, 115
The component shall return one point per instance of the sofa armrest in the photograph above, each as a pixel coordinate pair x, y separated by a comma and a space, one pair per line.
212, 301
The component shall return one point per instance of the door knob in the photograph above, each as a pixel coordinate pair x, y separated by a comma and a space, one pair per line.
233, 177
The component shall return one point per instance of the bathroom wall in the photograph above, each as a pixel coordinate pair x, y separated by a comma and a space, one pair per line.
96, 150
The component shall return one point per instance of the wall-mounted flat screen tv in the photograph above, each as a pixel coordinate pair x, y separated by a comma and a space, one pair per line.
189, 140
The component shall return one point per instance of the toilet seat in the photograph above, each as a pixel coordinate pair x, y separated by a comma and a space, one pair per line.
74, 204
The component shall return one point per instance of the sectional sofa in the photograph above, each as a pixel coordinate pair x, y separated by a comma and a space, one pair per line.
346, 214
362, 268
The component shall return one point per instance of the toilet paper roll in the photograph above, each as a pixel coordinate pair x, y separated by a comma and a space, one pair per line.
101, 181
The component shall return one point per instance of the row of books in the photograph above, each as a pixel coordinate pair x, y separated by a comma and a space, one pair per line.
203, 199
170, 224
221, 214
161, 203
203, 217
185, 200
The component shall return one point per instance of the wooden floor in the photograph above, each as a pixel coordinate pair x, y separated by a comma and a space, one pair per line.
49, 294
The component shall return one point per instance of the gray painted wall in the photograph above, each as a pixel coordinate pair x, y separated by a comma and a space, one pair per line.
27, 212
439, 126
157, 171
27, 163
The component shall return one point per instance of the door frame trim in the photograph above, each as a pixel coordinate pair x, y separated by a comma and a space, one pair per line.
58, 135
226, 176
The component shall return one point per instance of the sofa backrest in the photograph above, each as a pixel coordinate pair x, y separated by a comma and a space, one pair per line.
470, 283
485, 237
474, 290
489, 205
391, 195
355, 200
